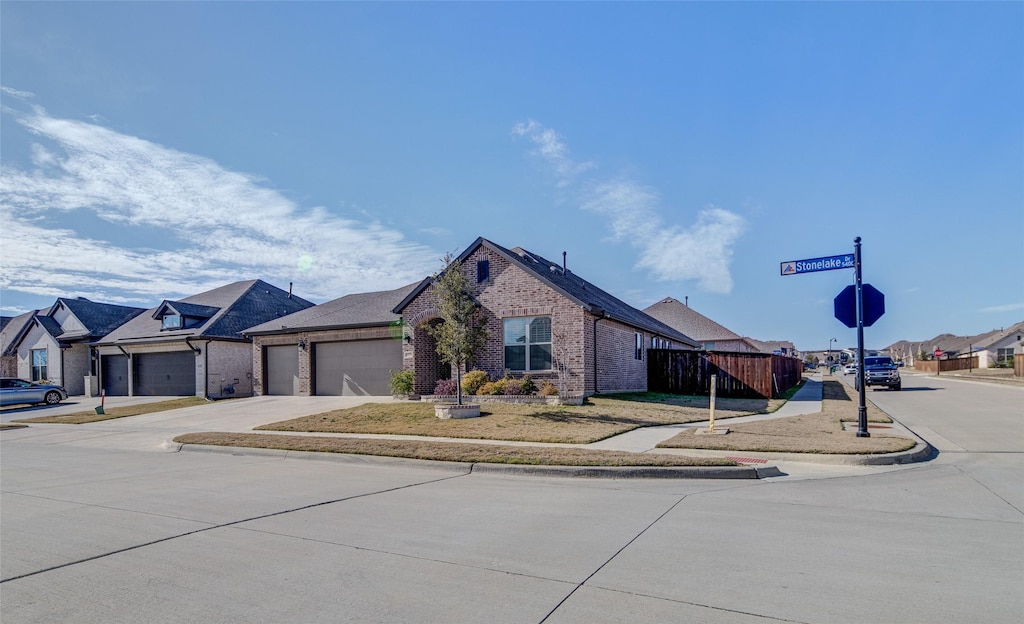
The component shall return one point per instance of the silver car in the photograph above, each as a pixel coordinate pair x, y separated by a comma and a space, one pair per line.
15, 391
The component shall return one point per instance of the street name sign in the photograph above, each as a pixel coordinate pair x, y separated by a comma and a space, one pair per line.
812, 265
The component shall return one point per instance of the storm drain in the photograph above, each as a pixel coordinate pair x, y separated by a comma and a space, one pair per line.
748, 460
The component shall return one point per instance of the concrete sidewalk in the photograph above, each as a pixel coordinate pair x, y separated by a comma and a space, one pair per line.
807, 400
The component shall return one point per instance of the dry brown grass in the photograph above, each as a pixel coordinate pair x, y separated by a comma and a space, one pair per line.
813, 433
599, 418
11, 426
80, 418
450, 451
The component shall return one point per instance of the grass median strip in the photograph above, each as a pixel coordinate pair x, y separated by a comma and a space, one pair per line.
449, 451
597, 419
81, 418
812, 433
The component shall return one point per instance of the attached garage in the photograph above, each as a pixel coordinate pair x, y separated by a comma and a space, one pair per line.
356, 368
165, 374
114, 369
282, 369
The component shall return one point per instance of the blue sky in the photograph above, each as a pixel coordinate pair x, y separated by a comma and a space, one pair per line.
150, 151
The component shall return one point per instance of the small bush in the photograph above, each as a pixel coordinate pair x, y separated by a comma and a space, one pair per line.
490, 388
401, 382
548, 389
528, 386
446, 387
472, 381
514, 387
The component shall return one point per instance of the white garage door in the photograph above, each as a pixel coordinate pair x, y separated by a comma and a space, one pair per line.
356, 368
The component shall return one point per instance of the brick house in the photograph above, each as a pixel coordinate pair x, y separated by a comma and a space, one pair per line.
193, 346
712, 335
53, 344
347, 347
542, 320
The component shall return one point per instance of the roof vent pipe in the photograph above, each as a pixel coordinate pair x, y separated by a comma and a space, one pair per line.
686, 301
289, 290
563, 262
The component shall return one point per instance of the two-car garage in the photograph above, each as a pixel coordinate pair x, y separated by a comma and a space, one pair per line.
155, 374
340, 368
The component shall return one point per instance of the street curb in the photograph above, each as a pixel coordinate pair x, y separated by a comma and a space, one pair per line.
598, 472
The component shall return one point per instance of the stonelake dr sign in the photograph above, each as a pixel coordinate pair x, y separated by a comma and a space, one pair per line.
829, 263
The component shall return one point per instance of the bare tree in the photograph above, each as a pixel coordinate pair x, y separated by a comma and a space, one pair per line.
463, 332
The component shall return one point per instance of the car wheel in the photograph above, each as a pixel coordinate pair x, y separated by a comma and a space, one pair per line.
52, 398
898, 386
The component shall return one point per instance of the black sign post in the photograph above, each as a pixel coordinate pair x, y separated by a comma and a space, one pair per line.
862, 410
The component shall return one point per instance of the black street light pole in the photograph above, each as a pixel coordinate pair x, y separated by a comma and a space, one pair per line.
862, 410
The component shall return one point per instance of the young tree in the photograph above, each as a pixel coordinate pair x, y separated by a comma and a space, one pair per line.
463, 331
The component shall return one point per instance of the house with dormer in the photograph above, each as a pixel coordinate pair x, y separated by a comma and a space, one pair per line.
192, 346
53, 344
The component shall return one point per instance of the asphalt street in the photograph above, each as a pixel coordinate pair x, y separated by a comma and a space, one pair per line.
99, 524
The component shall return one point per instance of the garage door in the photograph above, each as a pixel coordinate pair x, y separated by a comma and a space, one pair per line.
165, 374
356, 368
114, 369
282, 369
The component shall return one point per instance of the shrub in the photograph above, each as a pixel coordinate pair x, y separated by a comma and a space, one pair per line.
514, 387
528, 386
446, 387
548, 389
490, 388
472, 381
401, 382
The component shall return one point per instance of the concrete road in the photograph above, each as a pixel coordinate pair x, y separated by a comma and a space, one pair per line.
92, 530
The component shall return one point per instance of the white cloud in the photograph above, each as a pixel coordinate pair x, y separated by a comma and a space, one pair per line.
669, 252
1009, 307
16, 93
213, 225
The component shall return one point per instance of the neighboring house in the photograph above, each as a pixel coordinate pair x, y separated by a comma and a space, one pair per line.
542, 320
193, 346
347, 346
11, 329
989, 347
778, 347
53, 344
712, 336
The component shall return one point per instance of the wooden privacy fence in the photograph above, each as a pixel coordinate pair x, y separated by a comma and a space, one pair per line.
740, 375
941, 366
1018, 365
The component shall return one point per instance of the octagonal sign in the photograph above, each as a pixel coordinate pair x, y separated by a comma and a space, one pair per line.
846, 305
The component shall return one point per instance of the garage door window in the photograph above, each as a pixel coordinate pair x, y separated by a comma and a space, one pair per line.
528, 343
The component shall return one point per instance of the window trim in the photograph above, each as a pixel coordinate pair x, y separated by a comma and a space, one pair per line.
526, 344
165, 327
39, 372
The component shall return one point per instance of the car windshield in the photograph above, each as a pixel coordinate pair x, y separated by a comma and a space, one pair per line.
878, 361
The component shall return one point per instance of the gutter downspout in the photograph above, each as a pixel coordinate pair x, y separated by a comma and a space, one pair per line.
596, 321
206, 365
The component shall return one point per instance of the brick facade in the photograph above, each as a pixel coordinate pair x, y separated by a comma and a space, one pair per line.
512, 292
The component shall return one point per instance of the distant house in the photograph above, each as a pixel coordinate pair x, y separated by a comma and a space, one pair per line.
10, 328
347, 346
778, 347
712, 336
193, 346
53, 344
998, 345
542, 320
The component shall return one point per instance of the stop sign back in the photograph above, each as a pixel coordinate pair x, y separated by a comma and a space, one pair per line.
846, 305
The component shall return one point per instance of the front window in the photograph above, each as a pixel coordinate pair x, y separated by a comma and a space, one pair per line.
528, 343
638, 352
39, 357
1004, 355
172, 321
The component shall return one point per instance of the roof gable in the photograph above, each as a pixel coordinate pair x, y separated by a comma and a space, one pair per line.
578, 290
234, 307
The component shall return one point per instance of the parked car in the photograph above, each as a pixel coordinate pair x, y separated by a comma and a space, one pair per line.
850, 369
15, 391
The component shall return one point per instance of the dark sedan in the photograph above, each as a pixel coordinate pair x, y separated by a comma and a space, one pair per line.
15, 391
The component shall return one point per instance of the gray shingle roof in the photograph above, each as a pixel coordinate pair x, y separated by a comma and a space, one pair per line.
12, 332
99, 318
690, 322
355, 310
585, 294
239, 306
